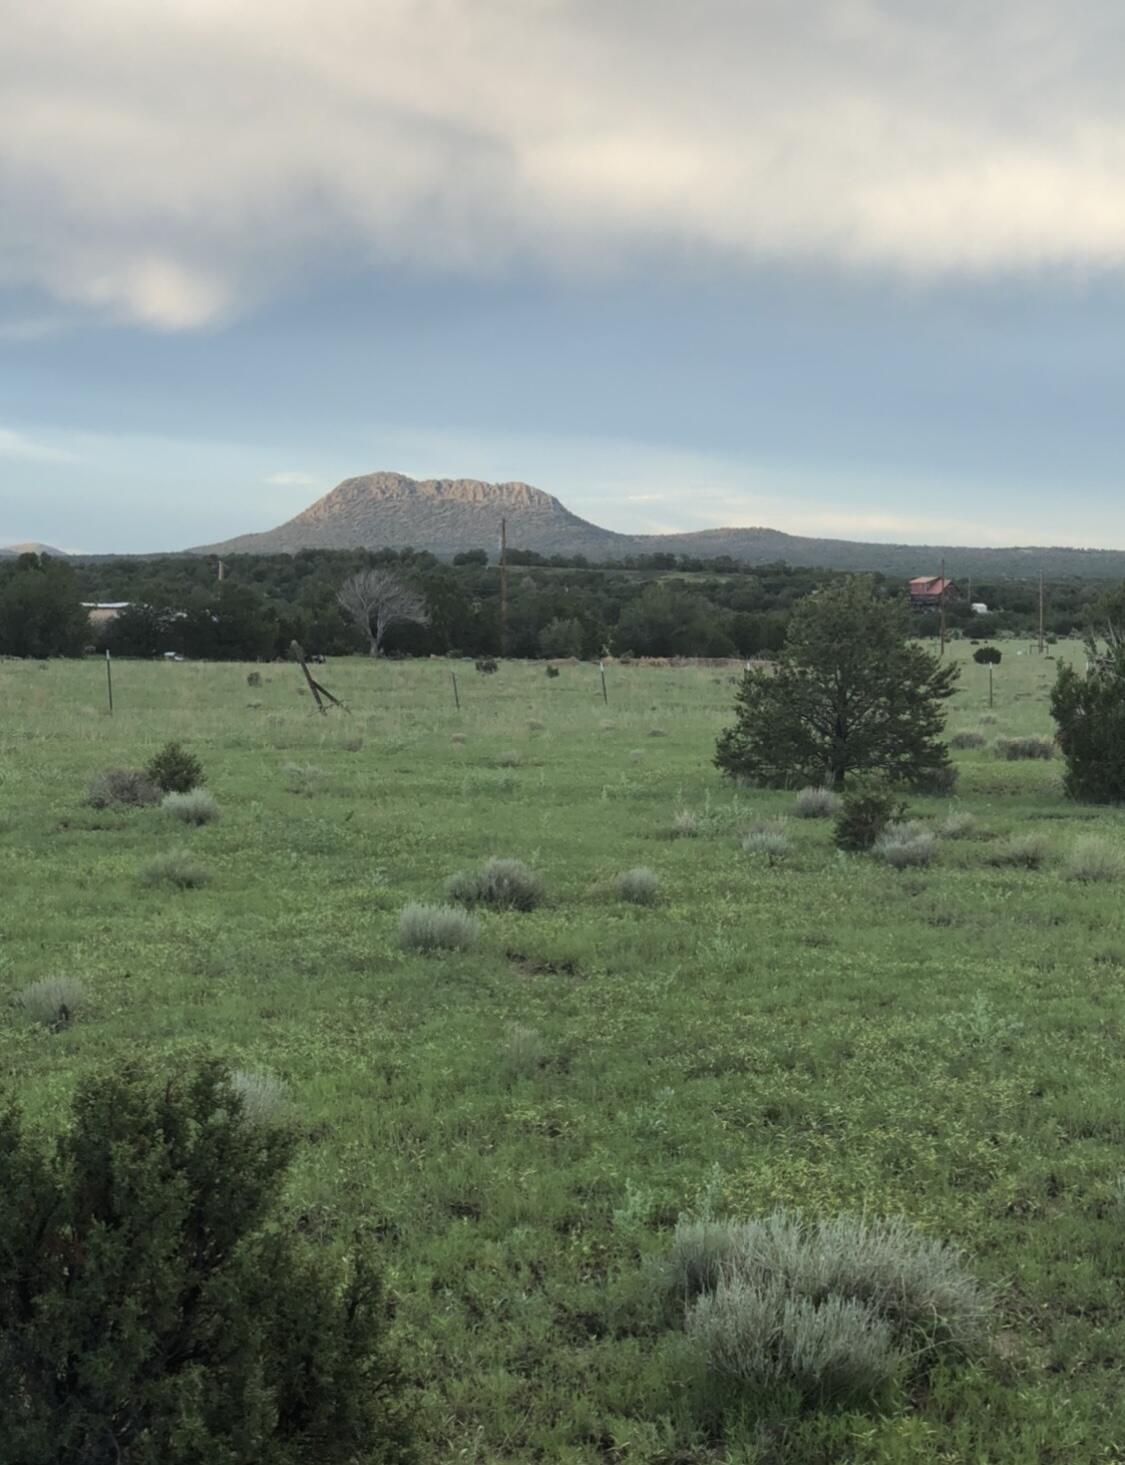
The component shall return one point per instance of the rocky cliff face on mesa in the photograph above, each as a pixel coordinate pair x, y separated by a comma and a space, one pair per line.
443, 515
446, 515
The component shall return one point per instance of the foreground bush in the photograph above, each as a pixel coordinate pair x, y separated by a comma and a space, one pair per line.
198, 806
816, 803
151, 1313
436, 928
504, 885
175, 770
1014, 749
835, 1310
868, 806
127, 786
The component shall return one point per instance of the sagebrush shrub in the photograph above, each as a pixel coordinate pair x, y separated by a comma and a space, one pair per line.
1014, 749
253, 678
831, 1308
770, 845
906, 846
686, 824
175, 867
152, 1309
301, 778
127, 786
638, 886
198, 806
964, 740
1022, 851
1094, 858
957, 826
501, 884
509, 758
174, 769
816, 803
53, 1002
436, 928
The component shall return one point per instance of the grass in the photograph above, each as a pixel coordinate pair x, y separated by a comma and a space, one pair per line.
515, 1128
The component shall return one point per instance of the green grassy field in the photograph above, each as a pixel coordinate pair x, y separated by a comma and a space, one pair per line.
516, 1128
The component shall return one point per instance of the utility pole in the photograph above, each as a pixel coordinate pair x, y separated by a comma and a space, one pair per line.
220, 571
1041, 616
503, 586
941, 605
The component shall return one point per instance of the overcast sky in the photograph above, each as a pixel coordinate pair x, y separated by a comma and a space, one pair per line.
845, 267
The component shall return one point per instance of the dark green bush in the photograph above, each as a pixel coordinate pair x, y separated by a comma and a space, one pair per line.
149, 1312
175, 770
988, 656
868, 806
487, 665
1089, 709
552, 671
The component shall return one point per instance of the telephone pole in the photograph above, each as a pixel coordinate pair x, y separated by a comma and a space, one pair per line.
503, 586
941, 606
1041, 615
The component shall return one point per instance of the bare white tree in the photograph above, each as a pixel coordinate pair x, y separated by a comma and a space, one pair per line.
376, 600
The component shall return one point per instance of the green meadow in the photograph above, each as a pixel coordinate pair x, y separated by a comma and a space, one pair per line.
514, 1129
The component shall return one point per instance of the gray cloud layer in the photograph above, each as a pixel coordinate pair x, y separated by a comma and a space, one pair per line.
173, 163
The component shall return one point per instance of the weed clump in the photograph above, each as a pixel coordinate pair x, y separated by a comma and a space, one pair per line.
175, 867
816, 803
957, 826
52, 1002
1014, 749
1095, 859
436, 928
301, 778
253, 678
686, 824
505, 885
198, 806
964, 740
523, 1050
770, 845
265, 1099
638, 886
122, 786
175, 770
552, 671
868, 806
836, 1310
486, 665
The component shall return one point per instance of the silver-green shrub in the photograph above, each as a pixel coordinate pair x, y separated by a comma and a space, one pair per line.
175, 867
1093, 859
1014, 749
638, 886
816, 803
905, 846
968, 739
54, 1002
436, 928
198, 806
127, 786
265, 1099
1021, 852
766, 844
504, 885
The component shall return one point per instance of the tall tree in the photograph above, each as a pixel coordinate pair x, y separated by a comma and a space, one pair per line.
1089, 708
40, 610
377, 599
849, 693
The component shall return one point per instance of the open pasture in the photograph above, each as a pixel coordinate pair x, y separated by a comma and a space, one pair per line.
516, 1126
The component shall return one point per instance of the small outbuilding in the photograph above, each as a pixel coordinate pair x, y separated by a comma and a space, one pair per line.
928, 591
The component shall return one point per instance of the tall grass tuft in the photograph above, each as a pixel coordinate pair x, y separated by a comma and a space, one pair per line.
1021, 852
1094, 859
638, 886
127, 786
816, 803
770, 845
53, 1002
436, 928
686, 824
962, 740
265, 1099
195, 807
505, 885
957, 826
833, 1308
177, 868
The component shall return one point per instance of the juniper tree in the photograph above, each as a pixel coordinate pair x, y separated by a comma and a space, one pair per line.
151, 1312
850, 692
1089, 708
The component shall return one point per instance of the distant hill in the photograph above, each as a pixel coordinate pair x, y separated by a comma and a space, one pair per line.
9, 551
446, 515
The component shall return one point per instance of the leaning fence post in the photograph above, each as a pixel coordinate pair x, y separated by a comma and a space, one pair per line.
456, 698
109, 679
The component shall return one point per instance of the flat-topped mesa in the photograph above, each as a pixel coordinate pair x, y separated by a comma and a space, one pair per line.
374, 488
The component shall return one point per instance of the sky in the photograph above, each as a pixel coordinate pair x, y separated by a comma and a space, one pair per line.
849, 267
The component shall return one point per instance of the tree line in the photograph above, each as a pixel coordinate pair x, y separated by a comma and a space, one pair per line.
557, 606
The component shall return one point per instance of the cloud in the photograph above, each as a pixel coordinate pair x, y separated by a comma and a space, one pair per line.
18, 445
173, 164
292, 480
